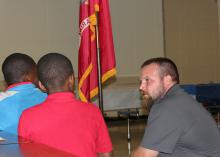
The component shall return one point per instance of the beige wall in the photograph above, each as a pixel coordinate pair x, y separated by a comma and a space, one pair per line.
39, 26
138, 33
191, 37
191, 33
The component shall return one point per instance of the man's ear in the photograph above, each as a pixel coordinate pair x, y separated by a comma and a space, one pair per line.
42, 87
168, 80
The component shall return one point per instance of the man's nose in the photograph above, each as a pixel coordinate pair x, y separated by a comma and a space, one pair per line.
142, 87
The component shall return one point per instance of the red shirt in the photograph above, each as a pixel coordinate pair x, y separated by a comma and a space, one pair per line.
67, 124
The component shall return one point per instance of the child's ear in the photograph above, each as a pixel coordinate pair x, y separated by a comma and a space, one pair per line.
71, 82
28, 77
41, 86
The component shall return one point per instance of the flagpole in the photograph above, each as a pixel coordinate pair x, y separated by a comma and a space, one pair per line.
100, 92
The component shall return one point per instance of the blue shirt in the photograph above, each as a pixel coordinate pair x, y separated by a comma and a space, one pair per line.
14, 100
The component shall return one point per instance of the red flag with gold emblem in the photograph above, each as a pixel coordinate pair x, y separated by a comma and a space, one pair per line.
87, 58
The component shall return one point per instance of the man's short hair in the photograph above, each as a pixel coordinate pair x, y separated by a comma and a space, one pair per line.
167, 67
16, 66
53, 70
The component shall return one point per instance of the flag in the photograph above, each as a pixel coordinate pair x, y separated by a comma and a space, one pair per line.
87, 58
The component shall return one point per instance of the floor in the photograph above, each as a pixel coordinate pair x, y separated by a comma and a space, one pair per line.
119, 134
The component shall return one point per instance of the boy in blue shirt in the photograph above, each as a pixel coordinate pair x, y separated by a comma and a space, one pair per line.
20, 75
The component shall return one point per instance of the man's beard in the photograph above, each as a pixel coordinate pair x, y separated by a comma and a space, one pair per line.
147, 102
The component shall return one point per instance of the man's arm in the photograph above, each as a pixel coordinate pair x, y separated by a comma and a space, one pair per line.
104, 154
143, 152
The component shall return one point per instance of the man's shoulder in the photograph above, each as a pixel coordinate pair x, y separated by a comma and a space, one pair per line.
178, 97
175, 102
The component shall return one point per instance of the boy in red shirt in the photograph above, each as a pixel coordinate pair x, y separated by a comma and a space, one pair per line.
62, 121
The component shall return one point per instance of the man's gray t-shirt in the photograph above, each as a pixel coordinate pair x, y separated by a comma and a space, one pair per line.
178, 126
